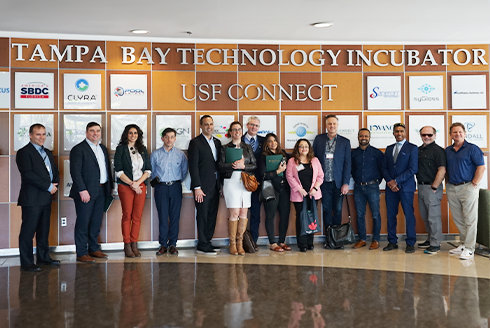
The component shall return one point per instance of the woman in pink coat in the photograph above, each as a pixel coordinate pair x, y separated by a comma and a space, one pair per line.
305, 175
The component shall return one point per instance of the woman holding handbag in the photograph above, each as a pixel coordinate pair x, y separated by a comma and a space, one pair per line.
281, 202
237, 198
133, 167
305, 176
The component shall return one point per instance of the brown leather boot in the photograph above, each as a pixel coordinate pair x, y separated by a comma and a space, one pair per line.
242, 226
128, 251
134, 247
232, 229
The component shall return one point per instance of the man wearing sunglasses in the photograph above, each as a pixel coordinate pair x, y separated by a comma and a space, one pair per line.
399, 167
431, 171
465, 168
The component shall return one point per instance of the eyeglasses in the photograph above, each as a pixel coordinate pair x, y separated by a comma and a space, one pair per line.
254, 125
303, 147
430, 135
399, 124
132, 150
236, 130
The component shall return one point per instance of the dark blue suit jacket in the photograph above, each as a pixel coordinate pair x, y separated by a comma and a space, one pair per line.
341, 157
405, 168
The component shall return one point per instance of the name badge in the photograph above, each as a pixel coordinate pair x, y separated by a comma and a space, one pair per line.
300, 167
329, 155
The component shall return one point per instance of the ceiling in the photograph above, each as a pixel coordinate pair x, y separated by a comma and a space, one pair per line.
252, 21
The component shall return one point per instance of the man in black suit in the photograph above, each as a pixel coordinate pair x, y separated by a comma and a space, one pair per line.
204, 151
256, 142
39, 180
92, 183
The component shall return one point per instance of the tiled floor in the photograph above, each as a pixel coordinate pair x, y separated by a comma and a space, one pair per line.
320, 288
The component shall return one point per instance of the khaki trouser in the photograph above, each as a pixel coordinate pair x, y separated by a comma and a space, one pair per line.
463, 203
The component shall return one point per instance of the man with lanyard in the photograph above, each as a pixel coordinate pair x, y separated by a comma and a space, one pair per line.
432, 168
169, 164
366, 171
334, 153
465, 168
256, 142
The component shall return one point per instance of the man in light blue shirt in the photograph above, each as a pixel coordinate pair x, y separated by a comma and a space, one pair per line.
169, 165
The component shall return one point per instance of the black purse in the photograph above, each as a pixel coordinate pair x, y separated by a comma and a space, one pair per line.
340, 235
267, 191
309, 218
248, 243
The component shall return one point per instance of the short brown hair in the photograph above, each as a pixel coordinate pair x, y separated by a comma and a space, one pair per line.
456, 124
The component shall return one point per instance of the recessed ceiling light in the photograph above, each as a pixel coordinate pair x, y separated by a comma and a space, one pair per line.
322, 24
138, 31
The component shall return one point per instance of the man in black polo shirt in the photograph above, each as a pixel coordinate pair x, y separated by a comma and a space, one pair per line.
432, 168
465, 168
366, 171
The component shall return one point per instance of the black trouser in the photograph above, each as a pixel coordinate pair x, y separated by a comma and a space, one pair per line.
89, 220
35, 220
283, 206
206, 217
304, 240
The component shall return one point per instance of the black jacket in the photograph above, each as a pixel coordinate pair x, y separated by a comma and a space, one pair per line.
122, 162
34, 176
277, 181
250, 163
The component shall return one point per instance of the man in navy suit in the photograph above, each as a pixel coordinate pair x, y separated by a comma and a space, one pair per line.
39, 180
204, 152
256, 142
399, 167
334, 153
92, 183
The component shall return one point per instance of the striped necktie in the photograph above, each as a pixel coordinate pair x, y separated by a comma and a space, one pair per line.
252, 143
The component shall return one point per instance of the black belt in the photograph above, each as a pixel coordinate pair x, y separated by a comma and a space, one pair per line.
461, 183
425, 183
368, 183
169, 183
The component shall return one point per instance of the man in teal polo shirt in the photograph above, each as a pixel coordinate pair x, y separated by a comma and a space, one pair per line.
465, 167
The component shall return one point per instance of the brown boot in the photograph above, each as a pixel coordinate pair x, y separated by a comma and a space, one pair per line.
242, 226
134, 247
232, 229
127, 250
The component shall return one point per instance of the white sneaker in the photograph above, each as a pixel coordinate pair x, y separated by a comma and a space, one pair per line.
457, 250
467, 254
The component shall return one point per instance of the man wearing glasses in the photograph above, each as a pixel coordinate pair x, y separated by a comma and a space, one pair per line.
256, 142
399, 167
431, 171
465, 168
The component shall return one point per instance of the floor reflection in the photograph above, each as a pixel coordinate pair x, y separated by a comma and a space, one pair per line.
236, 296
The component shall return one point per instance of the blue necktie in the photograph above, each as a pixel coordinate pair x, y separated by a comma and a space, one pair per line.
252, 143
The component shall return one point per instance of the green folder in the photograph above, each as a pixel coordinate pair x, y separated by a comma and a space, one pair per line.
272, 163
233, 154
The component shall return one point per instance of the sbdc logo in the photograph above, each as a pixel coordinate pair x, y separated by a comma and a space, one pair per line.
34, 90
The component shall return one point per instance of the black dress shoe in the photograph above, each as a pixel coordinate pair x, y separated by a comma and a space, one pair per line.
310, 247
51, 263
31, 268
390, 247
410, 249
303, 249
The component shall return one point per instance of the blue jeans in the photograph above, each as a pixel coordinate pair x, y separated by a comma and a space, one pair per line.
369, 194
332, 204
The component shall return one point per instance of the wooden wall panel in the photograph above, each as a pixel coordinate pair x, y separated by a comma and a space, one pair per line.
31, 51
4, 52
348, 93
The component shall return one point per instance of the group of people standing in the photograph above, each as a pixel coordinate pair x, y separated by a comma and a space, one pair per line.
312, 172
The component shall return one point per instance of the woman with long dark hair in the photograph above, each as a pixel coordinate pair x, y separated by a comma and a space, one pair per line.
237, 198
133, 168
305, 176
281, 203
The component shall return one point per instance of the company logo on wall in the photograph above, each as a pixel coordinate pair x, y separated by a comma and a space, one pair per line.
476, 128
181, 124
4, 89
34, 90
469, 91
381, 127
129, 91
426, 92
82, 91
305, 129
384, 92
